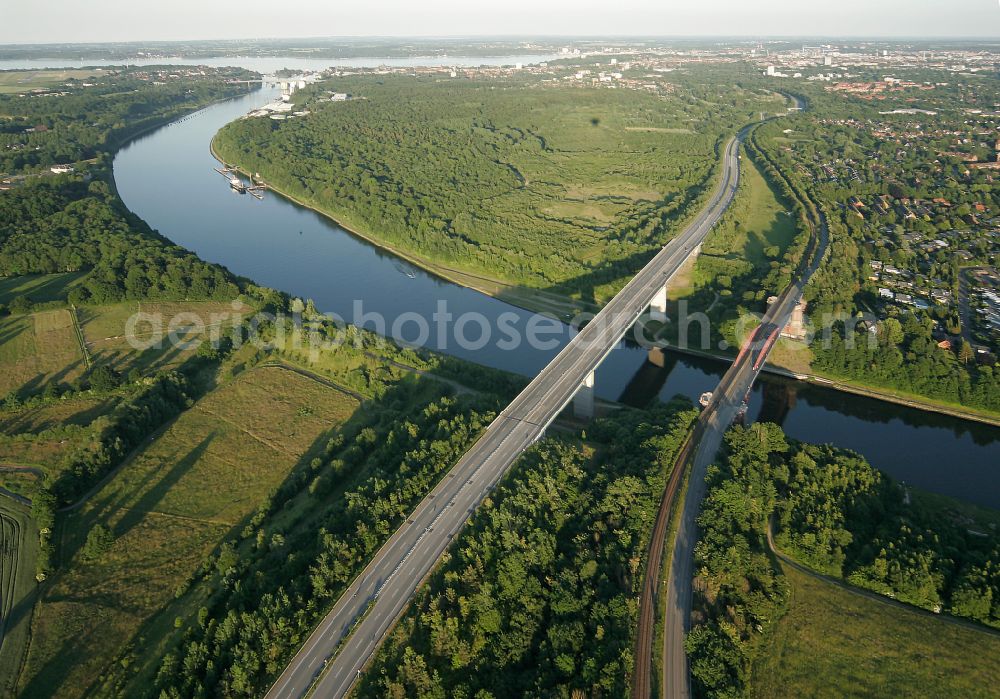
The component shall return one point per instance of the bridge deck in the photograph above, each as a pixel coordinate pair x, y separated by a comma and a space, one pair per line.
383, 589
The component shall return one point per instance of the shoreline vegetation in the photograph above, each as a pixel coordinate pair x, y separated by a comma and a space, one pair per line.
541, 210
910, 558
484, 285
837, 384
535, 300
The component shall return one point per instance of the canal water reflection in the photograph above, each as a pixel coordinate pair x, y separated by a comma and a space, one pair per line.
282, 245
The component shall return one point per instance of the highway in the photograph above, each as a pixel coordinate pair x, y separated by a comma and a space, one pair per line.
376, 598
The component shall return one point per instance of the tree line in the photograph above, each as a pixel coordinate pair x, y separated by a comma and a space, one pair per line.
833, 512
76, 222
538, 596
66, 224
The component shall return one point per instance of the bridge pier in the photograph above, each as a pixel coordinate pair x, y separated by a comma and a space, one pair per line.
583, 401
658, 306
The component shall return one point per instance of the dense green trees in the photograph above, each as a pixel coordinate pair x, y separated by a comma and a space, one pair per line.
839, 515
532, 183
99, 541
538, 596
904, 355
65, 224
739, 590
76, 222
833, 512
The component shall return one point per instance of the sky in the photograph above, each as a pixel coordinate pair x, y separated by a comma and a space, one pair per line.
60, 21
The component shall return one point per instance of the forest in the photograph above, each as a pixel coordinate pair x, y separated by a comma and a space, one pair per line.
64, 224
903, 354
538, 596
528, 182
844, 518
833, 512
76, 222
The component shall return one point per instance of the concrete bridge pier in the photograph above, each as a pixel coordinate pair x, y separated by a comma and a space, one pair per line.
583, 401
658, 306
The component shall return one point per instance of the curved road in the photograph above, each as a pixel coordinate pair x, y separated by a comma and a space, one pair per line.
717, 418
375, 599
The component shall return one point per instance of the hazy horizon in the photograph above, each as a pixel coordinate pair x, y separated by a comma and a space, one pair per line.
100, 21
431, 38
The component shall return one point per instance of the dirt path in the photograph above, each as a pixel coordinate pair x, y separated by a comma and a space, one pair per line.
17, 468
78, 331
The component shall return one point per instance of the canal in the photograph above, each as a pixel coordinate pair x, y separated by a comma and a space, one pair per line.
280, 244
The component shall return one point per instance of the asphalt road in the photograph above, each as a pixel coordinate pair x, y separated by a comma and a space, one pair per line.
718, 417
727, 399
397, 569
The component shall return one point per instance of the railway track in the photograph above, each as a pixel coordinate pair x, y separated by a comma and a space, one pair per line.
643, 674
10, 545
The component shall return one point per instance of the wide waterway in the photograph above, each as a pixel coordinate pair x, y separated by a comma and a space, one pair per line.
167, 178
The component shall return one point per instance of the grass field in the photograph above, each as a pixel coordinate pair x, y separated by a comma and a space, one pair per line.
38, 348
347, 367
17, 586
834, 643
105, 331
756, 221
42, 347
39, 287
34, 442
16, 81
39, 452
168, 508
78, 411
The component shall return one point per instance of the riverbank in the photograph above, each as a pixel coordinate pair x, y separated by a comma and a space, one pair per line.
909, 401
538, 301
534, 300
544, 233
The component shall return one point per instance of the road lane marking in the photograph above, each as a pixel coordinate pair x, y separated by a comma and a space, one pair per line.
555, 380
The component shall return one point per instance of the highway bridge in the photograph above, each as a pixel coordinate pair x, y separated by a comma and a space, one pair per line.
331, 659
